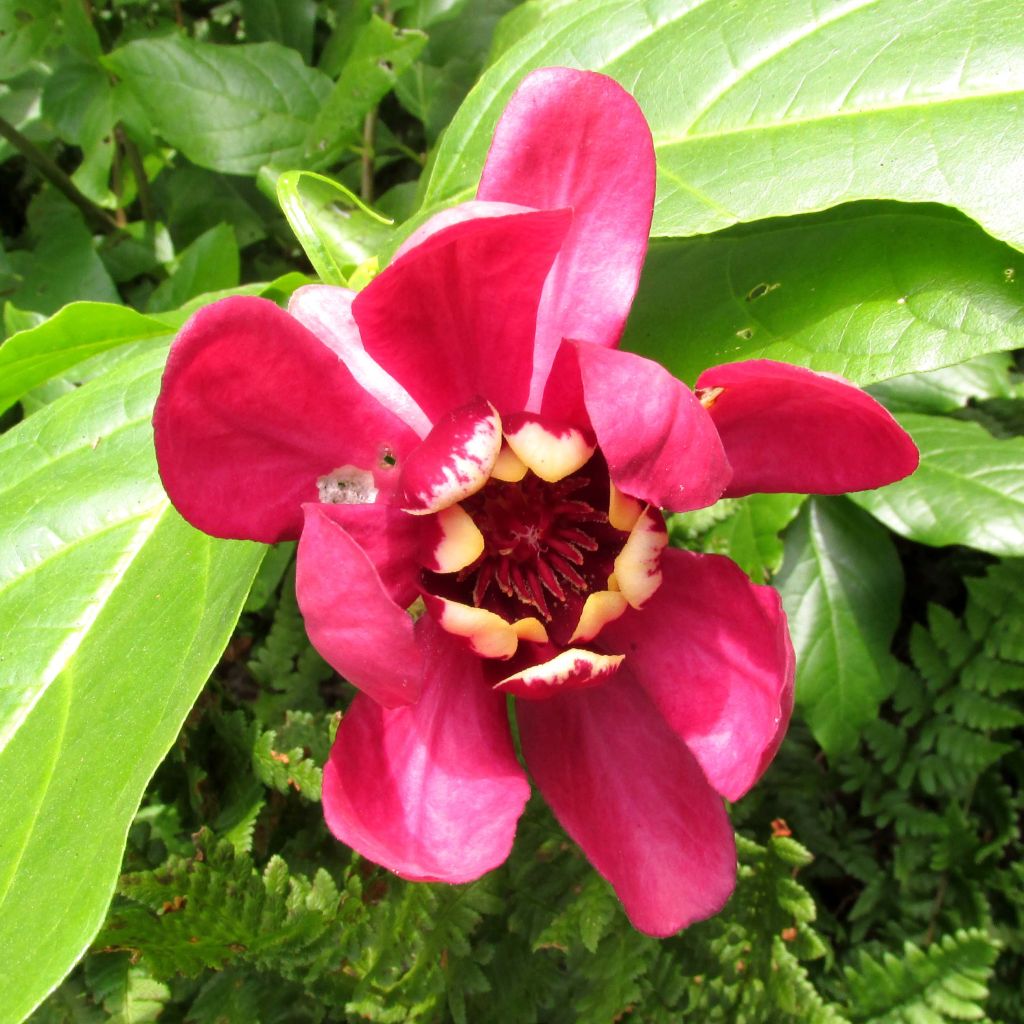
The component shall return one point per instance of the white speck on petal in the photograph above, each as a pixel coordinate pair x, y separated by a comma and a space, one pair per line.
347, 485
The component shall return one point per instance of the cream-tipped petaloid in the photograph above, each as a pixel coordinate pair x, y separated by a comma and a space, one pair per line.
552, 453
488, 634
600, 608
508, 467
460, 542
572, 669
638, 566
531, 629
623, 509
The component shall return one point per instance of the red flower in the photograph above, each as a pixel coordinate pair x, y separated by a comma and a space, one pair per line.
464, 431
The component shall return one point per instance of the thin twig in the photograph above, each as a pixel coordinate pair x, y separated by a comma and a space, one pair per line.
95, 216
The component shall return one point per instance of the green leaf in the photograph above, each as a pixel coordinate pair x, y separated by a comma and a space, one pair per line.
63, 266
228, 108
750, 536
76, 333
209, 264
289, 22
114, 612
969, 488
841, 584
950, 388
381, 52
766, 110
336, 230
869, 291
28, 30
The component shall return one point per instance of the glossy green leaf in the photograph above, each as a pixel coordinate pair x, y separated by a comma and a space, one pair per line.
62, 266
114, 612
76, 333
751, 535
969, 488
336, 230
231, 109
869, 291
28, 30
842, 584
761, 110
289, 22
380, 53
210, 263
950, 388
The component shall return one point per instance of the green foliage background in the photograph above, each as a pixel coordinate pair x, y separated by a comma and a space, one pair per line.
838, 187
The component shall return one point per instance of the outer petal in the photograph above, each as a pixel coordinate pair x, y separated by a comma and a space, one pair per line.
659, 441
252, 411
432, 791
327, 312
350, 617
392, 539
455, 317
630, 793
470, 210
789, 429
577, 139
712, 651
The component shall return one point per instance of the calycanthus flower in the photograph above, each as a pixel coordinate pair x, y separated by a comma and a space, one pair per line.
464, 433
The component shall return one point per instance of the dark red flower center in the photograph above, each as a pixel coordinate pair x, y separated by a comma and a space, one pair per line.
546, 547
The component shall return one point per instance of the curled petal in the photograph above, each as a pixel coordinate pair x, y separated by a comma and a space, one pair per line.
455, 317
789, 429
457, 214
390, 538
573, 669
327, 312
628, 791
350, 617
713, 652
454, 461
577, 139
659, 441
432, 791
253, 411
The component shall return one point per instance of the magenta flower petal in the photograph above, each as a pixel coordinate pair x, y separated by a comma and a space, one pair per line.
391, 539
712, 651
789, 429
470, 210
432, 791
626, 789
455, 317
578, 139
327, 312
372, 644
252, 412
659, 441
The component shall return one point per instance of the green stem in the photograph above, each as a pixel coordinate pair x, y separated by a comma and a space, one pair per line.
95, 216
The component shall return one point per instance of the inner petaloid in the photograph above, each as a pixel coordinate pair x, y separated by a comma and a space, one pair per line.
553, 553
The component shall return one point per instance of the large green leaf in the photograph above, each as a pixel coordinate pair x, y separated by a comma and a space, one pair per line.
113, 613
336, 230
765, 109
869, 291
750, 536
969, 488
842, 584
229, 108
76, 333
